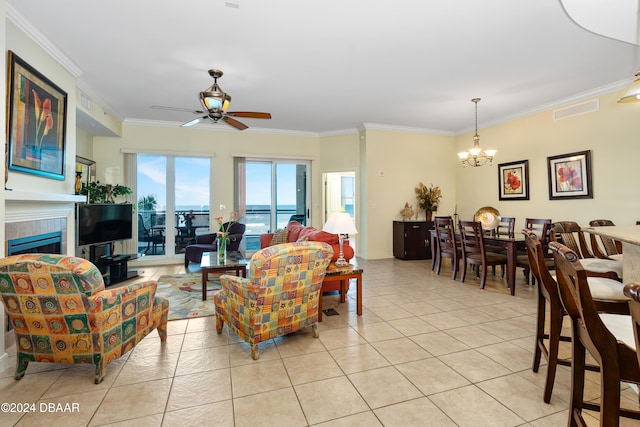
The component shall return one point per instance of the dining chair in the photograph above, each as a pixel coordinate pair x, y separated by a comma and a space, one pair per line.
571, 235
542, 229
612, 248
446, 245
608, 338
506, 227
473, 250
607, 294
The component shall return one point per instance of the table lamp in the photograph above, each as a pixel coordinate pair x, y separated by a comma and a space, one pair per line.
340, 223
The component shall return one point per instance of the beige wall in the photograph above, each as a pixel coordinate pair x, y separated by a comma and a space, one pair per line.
30, 52
612, 135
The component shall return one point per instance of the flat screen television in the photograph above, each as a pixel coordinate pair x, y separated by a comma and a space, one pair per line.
98, 223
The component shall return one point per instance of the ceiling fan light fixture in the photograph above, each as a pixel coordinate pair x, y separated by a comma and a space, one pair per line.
476, 156
213, 99
633, 92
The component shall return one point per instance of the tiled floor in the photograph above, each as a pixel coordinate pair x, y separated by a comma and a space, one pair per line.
427, 351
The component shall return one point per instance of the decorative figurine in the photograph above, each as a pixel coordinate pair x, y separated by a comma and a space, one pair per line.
407, 212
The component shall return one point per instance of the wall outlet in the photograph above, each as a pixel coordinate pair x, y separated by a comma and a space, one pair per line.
223, 207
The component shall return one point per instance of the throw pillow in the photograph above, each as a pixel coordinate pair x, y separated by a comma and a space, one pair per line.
279, 237
294, 228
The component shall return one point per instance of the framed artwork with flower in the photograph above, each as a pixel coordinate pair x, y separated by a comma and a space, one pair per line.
513, 180
570, 176
36, 121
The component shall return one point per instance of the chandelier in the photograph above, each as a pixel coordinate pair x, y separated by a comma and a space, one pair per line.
633, 93
476, 156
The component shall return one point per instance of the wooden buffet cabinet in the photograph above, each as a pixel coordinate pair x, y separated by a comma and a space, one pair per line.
412, 239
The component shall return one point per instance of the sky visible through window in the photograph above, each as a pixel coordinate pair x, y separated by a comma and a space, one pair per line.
193, 178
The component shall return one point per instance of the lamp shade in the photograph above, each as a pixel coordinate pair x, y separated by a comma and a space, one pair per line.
633, 93
340, 223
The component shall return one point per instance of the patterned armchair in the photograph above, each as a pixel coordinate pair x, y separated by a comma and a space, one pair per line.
61, 312
280, 295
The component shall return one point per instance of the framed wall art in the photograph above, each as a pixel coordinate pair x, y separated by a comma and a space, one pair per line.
36, 122
513, 180
570, 176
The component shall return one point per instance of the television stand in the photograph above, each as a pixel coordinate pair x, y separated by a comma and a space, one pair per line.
114, 269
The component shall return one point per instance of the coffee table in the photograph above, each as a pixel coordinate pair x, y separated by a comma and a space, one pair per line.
343, 275
210, 263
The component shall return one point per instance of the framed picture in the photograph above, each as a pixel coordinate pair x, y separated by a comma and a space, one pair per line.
513, 180
570, 176
36, 122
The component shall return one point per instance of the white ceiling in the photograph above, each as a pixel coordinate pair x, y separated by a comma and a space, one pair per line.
332, 65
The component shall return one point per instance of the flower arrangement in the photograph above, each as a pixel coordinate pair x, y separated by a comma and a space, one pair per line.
43, 116
428, 197
224, 231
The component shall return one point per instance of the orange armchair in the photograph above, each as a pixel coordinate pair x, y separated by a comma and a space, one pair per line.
61, 312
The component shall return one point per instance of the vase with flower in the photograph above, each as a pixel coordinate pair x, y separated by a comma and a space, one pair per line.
428, 199
222, 238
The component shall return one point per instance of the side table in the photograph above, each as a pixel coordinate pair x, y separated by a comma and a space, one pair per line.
210, 263
343, 275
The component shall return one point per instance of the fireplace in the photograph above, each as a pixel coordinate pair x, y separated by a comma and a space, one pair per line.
48, 243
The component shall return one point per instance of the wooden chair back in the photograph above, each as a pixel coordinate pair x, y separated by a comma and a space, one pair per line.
506, 226
617, 361
611, 247
571, 235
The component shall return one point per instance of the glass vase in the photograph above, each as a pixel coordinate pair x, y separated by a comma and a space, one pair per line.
222, 241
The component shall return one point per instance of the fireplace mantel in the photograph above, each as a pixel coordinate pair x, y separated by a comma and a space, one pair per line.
29, 196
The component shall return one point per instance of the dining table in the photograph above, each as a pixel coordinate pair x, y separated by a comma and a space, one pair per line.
510, 244
629, 236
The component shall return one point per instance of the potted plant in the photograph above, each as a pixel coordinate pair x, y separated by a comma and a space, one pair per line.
428, 198
103, 193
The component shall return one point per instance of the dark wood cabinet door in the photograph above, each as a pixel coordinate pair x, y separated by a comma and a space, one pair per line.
411, 239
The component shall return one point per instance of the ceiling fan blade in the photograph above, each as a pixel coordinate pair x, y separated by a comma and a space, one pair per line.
189, 110
193, 122
250, 114
236, 124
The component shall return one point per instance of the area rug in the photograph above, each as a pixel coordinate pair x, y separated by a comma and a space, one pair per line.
184, 292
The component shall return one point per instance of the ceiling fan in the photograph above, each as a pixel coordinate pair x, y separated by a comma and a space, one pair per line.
215, 103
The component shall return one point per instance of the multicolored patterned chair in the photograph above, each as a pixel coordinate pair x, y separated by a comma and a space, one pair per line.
61, 312
280, 296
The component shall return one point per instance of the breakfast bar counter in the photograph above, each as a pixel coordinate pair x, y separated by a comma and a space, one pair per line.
629, 235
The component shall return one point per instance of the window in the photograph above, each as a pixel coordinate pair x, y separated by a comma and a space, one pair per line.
269, 194
173, 194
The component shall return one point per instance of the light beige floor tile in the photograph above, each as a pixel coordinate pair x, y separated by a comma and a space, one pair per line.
133, 401
201, 324
148, 421
412, 326
432, 376
301, 342
152, 367
363, 419
377, 301
470, 406
203, 339
151, 344
444, 320
277, 408
509, 355
311, 367
259, 377
358, 358
177, 327
396, 387
219, 414
340, 337
391, 312
557, 419
474, 366
70, 410
473, 336
199, 389
413, 413
508, 331
526, 403
240, 353
377, 331
400, 350
207, 359
439, 343
345, 399
82, 378
419, 308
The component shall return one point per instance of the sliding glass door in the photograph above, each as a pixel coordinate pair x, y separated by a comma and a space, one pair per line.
173, 194
271, 193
